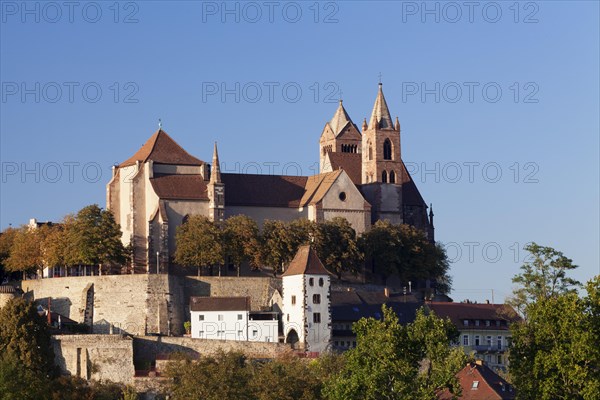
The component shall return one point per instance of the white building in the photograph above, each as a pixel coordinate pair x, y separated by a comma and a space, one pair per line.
306, 303
230, 318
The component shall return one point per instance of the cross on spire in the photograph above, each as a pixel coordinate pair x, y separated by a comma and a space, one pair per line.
341, 98
159, 123
380, 75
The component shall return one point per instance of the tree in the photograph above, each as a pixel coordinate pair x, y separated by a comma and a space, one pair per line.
554, 352
543, 277
337, 246
26, 252
98, 237
406, 251
60, 246
240, 239
198, 243
7, 238
387, 361
225, 376
17, 382
25, 337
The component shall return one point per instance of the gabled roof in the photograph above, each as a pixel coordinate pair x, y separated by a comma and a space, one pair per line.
340, 120
180, 187
317, 187
219, 303
161, 148
349, 162
354, 305
306, 262
263, 190
458, 312
380, 117
479, 382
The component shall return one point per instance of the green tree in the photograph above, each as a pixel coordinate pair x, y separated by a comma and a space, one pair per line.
60, 245
98, 237
287, 378
337, 246
406, 251
198, 243
240, 239
392, 361
24, 336
225, 376
18, 382
554, 352
542, 277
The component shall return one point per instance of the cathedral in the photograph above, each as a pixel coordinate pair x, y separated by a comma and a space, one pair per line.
362, 179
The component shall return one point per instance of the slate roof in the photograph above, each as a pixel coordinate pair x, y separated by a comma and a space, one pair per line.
305, 262
263, 190
458, 312
489, 386
161, 148
184, 187
219, 303
410, 193
354, 305
349, 162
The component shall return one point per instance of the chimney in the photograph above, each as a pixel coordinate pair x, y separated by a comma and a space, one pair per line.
479, 362
487, 302
386, 291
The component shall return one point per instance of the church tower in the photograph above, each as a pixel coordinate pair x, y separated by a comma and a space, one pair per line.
306, 307
216, 190
381, 153
340, 135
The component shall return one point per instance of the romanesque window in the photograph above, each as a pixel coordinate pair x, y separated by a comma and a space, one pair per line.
387, 149
384, 177
392, 177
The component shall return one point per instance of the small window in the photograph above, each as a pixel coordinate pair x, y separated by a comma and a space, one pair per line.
487, 322
476, 322
240, 333
475, 385
321, 282
317, 318
466, 322
311, 281
499, 359
240, 317
498, 323
477, 342
384, 177
220, 317
293, 300
342, 196
201, 333
499, 342
489, 340
316, 299
465, 340
200, 317
254, 333
392, 177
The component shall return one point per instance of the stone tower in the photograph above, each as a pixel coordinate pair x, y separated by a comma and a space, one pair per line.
340, 135
381, 155
216, 190
306, 307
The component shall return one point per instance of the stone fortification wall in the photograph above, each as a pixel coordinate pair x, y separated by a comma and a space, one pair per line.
97, 357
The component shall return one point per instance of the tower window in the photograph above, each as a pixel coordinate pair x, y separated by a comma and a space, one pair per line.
320, 281
293, 300
316, 299
317, 318
311, 281
384, 177
387, 149
370, 153
392, 177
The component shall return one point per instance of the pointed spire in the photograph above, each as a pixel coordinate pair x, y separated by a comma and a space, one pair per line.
215, 171
397, 124
380, 117
365, 126
340, 119
431, 214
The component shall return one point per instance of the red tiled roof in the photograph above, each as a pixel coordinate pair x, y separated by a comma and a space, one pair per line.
349, 162
263, 190
185, 187
488, 386
220, 303
458, 312
306, 262
161, 148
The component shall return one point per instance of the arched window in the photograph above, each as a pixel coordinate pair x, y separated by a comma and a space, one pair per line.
392, 177
370, 153
387, 149
384, 177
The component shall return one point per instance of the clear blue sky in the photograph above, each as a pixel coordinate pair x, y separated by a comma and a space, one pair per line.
541, 133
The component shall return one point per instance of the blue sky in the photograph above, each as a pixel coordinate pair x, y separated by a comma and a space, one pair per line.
498, 103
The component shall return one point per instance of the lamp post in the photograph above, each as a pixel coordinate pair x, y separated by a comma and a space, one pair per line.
157, 262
